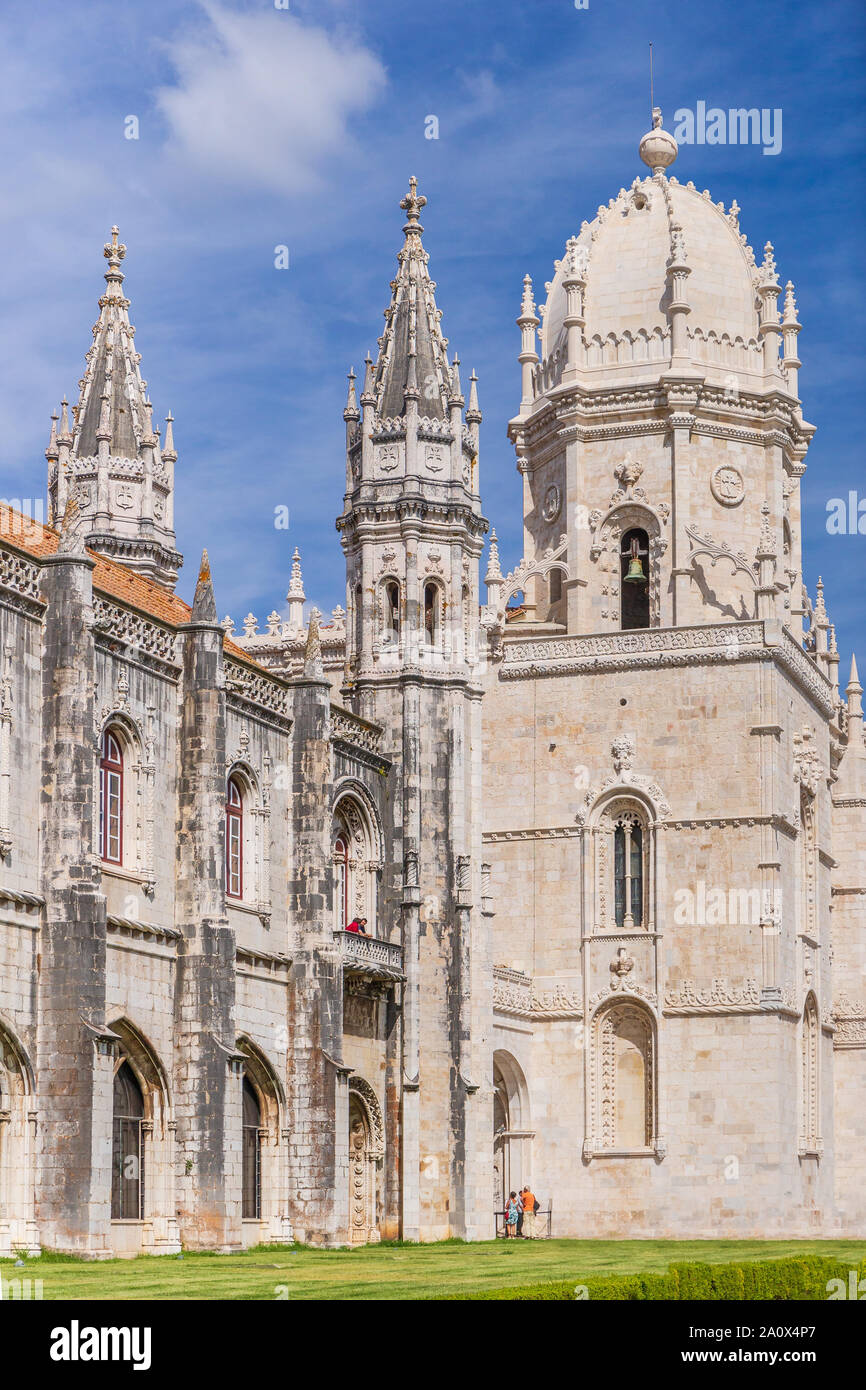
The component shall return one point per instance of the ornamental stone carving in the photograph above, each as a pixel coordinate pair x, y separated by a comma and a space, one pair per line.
807, 764
727, 485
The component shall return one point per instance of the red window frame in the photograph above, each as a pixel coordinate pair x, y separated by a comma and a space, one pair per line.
234, 840
111, 796
341, 862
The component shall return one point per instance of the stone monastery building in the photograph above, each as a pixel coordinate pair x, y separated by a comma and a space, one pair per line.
606, 821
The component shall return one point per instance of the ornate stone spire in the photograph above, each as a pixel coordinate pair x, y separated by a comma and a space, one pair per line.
413, 357
527, 323
123, 482
494, 568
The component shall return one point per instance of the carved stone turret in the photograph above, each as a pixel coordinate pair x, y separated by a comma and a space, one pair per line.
111, 462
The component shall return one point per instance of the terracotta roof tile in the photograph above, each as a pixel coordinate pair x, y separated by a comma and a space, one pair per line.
111, 579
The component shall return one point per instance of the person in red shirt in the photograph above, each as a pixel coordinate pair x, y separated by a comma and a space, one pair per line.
359, 925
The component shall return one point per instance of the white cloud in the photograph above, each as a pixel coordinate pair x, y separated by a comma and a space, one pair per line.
264, 100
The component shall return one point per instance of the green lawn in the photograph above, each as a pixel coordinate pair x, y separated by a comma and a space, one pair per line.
392, 1271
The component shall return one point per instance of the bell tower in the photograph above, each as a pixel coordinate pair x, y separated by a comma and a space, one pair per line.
412, 533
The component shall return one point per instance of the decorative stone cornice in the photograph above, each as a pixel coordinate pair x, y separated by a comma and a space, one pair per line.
520, 996
723, 997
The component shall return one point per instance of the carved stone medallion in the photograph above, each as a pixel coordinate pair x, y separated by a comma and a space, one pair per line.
727, 486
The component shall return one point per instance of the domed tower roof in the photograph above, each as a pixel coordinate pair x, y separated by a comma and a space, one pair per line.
624, 257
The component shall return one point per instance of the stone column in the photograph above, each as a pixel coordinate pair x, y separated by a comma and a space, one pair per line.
318, 1081
74, 1051
207, 1099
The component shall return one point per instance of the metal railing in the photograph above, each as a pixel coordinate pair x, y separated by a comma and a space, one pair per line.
543, 1223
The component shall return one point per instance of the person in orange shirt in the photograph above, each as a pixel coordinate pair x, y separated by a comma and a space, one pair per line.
528, 1213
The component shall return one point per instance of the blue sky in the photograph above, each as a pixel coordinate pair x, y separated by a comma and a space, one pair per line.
260, 127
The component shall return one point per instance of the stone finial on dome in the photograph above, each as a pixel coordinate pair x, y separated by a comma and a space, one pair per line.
658, 149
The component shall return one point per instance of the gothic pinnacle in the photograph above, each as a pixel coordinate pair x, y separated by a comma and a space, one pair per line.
313, 668
351, 411
473, 413
204, 608
455, 396
368, 395
494, 569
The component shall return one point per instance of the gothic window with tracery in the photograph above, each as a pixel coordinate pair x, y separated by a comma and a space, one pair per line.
127, 1181
111, 798
356, 858
341, 883
628, 870
234, 839
252, 1153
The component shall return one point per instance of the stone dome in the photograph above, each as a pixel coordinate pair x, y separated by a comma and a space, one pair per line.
623, 255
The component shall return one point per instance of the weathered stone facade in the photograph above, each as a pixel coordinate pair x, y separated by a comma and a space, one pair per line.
606, 829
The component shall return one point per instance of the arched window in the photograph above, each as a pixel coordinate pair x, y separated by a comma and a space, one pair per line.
628, 875
127, 1179
252, 1154
634, 572
359, 623
111, 799
341, 883
624, 1079
392, 610
555, 586
234, 840
432, 614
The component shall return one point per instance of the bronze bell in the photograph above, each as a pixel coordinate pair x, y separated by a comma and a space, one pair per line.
635, 568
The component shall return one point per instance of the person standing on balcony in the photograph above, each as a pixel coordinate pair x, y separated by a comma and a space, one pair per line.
359, 925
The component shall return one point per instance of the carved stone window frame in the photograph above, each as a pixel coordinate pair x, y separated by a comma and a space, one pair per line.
608, 530
621, 802
601, 1078
356, 818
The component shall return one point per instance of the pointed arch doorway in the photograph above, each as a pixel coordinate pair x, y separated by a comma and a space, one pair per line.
512, 1134
366, 1152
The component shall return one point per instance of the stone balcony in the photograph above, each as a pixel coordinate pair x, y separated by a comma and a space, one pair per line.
366, 955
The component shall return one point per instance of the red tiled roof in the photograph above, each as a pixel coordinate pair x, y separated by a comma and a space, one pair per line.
113, 580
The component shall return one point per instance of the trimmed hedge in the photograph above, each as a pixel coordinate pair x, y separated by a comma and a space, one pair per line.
801, 1279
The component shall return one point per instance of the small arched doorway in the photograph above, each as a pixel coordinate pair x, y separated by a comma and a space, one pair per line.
512, 1135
